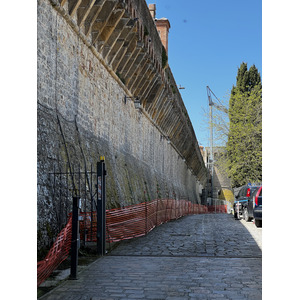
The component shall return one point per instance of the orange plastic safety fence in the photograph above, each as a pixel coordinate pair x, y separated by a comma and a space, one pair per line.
56, 255
139, 219
121, 224
88, 226
217, 208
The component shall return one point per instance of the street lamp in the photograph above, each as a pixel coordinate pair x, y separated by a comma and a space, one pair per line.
136, 102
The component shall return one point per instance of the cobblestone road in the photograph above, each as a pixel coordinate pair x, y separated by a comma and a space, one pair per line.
196, 257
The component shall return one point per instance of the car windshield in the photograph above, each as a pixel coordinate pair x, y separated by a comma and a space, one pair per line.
253, 190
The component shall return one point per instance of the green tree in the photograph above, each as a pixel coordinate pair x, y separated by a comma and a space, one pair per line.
244, 146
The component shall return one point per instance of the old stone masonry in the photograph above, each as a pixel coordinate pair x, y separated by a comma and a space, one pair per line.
105, 89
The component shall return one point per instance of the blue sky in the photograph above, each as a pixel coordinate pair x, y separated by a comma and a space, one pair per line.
208, 40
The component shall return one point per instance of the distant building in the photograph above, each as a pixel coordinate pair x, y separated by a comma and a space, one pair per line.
162, 26
221, 182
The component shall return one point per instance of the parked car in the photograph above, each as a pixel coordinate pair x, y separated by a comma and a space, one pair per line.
243, 206
257, 207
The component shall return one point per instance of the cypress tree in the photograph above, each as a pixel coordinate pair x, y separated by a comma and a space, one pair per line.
244, 146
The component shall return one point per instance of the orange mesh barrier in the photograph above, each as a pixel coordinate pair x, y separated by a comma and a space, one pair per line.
218, 208
121, 224
57, 254
137, 220
87, 226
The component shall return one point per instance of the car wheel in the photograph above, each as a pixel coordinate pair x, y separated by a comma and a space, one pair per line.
246, 215
258, 223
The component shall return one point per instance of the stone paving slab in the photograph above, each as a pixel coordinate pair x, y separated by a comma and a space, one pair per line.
196, 257
256, 232
197, 235
138, 277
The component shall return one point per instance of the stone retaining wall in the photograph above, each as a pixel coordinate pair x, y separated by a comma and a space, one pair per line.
82, 115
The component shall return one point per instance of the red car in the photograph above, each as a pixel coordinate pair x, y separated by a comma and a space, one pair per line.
257, 207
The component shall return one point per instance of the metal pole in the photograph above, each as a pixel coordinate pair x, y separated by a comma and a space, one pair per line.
175, 202
166, 208
75, 238
79, 190
60, 200
211, 156
99, 210
146, 214
210, 103
67, 184
85, 195
103, 207
92, 200
156, 207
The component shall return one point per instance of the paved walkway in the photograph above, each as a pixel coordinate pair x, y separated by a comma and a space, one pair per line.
196, 257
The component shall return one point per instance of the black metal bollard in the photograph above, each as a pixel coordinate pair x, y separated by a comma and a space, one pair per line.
75, 238
101, 207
